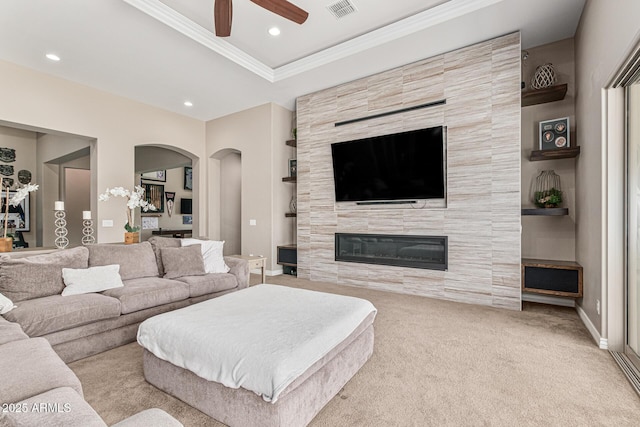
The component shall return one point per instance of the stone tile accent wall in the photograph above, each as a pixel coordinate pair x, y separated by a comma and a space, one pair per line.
481, 216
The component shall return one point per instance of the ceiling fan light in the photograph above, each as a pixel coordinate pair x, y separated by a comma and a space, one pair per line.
53, 57
274, 31
188, 104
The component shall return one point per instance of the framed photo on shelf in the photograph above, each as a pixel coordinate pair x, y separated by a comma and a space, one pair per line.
554, 134
154, 194
18, 215
188, 178
155, 176
293, 167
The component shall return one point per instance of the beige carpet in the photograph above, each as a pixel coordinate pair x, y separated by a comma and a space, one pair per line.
435, 363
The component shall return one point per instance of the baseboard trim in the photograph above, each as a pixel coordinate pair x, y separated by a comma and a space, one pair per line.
601, 342
546, 299
267, 272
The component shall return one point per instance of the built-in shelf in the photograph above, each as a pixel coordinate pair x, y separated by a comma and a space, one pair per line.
551, 277
289, 179
291, 143
560, 153
290, 215
546, 211
542, 96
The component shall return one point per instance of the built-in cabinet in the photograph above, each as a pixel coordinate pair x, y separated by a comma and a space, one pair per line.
542, 276
287, 254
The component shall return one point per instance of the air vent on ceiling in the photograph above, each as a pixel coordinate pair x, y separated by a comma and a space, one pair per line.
342, 8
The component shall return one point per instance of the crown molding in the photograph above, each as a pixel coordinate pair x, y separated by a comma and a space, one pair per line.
428, 18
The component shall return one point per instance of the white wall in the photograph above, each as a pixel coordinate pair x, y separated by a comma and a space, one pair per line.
606, 33
118, 124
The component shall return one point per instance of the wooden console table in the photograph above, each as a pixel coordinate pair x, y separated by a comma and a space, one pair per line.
175, 233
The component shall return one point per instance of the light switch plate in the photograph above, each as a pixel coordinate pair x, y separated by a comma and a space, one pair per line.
107, 223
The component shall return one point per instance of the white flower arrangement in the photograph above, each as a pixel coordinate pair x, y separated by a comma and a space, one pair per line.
135, 199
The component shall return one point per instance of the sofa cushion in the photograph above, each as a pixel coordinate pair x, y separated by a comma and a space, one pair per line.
157, 243
61, 406
137, 260
209, 283
10, 331
38, 275
42, 316
35, 368
180, 262
147, 292
93, 279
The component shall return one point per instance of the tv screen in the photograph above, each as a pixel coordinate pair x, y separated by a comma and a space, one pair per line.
402, 166
185, 206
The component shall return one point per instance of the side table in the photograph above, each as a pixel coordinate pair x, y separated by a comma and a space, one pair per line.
255, 262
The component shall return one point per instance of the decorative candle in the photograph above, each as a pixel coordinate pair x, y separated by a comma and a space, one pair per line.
59, 206
86, 214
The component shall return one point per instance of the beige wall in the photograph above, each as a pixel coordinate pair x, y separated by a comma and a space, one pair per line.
481, 85
77, 188
606, 32
231, 203
259, 135
549, 237
118, 124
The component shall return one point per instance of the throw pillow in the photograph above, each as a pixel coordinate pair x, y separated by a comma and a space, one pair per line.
38, 275
136, 261
179, 262
6, 305
92, 279
211, 253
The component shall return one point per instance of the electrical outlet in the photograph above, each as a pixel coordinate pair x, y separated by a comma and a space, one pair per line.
598, 306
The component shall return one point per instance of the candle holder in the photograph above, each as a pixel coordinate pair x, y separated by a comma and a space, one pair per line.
87, 232
61, 230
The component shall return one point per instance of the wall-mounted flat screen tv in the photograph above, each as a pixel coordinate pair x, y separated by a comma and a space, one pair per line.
402, 166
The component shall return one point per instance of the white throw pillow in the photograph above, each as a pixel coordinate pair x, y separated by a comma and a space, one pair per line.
6, 305
93, 279
211, 254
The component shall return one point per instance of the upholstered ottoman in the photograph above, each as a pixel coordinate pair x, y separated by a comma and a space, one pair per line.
266, 355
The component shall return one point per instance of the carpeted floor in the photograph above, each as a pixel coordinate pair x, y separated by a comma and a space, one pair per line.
435, 363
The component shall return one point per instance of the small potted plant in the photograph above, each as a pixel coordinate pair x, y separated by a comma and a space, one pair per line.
135, 199
548, 199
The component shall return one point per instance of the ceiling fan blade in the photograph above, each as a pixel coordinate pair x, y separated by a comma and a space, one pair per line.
222, 14
285, 9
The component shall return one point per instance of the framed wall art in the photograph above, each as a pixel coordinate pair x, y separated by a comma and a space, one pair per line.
155, 176
154, 194
188, 178
18, 215
554, 134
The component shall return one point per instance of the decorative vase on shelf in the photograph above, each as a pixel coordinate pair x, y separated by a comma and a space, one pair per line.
293, 205
544, 76
6, 244
130, 238
547, 192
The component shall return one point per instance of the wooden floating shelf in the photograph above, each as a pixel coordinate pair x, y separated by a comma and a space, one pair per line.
546, 211
290, 215
560, 153
292, 143
542, 96
289, 179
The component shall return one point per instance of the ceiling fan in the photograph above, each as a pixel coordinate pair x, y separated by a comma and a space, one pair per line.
222, 12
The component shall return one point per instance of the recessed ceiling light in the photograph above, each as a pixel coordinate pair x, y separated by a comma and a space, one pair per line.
53, 57
274, 31
188, 104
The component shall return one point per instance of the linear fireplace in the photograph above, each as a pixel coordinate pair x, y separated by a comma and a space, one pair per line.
389, 249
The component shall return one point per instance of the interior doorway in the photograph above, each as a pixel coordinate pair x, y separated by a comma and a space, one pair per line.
77, 196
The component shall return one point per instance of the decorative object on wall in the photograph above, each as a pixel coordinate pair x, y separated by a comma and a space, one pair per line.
188, 178
15, 207
7, 183
554, 134
150, 223
6, 170
171, 200
293, 205
135, 199
187, 219
547, 192
293, 167
87, 229
154, 195
24, 176
7, 155
544, 76
60, 222
155, 176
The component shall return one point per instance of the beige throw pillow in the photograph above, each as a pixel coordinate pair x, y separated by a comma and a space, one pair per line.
211, 254
185, 261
